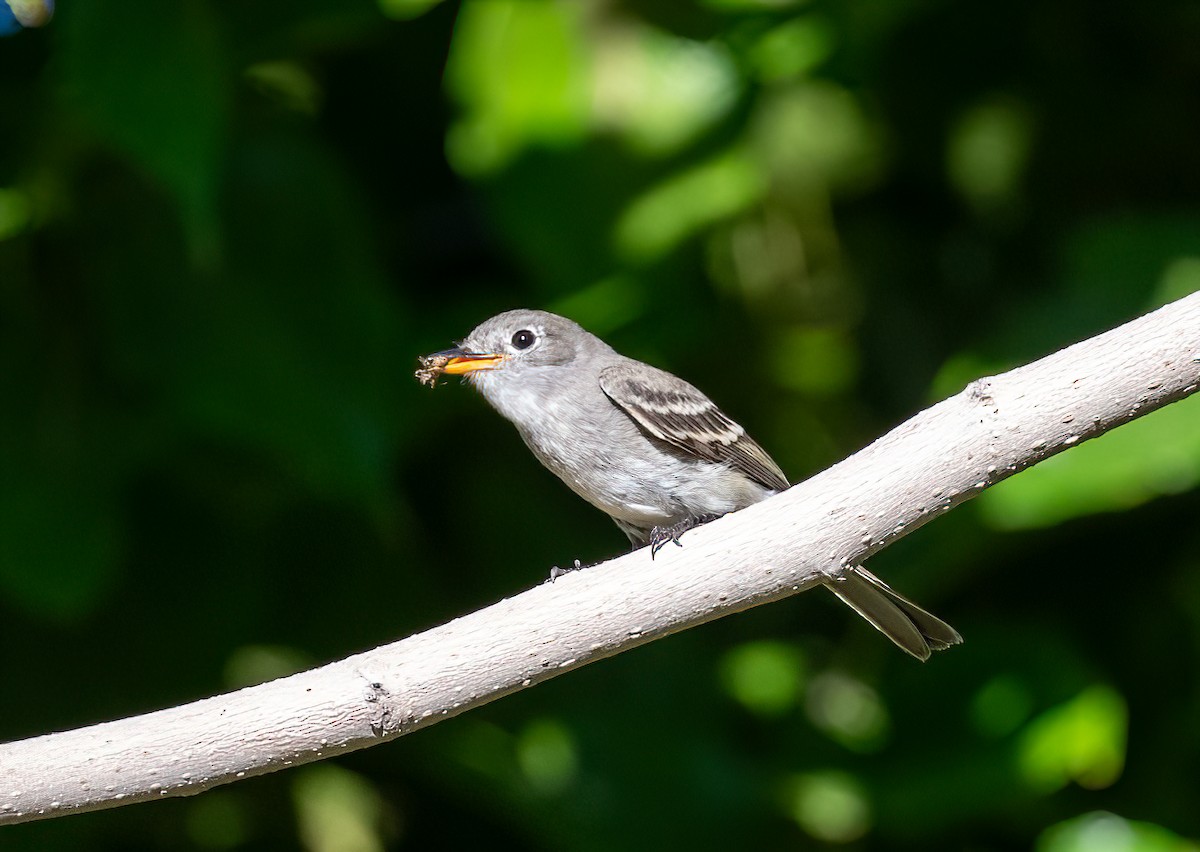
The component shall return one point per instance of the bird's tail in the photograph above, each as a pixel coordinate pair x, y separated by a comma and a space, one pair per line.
916, 631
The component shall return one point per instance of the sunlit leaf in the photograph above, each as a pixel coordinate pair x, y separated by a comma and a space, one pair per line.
518, 70
1147, 458
659, 91
667, 214
1082, 741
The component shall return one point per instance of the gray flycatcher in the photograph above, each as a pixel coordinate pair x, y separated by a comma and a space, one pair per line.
643, 446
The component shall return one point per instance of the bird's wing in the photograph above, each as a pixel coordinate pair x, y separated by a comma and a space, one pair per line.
671, 410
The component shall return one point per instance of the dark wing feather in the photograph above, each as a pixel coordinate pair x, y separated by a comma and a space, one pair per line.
669, 409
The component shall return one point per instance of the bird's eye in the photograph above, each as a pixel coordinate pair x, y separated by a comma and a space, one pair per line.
523, 339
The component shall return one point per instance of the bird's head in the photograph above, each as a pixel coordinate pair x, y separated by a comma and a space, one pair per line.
512, 345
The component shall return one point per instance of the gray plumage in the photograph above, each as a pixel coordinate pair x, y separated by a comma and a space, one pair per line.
645, 447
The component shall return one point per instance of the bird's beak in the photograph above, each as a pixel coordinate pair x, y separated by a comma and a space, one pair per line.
460, 362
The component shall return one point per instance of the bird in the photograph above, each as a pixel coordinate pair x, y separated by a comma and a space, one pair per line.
643, 446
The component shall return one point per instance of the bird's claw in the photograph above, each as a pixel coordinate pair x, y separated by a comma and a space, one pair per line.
557, 572
660, 536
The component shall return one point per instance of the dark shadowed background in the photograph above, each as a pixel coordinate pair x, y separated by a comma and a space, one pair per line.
227, 229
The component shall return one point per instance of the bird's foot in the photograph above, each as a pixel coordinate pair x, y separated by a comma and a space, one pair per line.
557, 572
661, 536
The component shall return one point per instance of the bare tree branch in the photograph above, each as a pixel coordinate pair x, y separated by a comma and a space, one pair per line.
945, 455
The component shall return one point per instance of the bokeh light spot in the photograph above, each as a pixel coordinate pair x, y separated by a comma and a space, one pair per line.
816, 361
1082, 740
848, 711
1101, 831
338, 810
764, 677
830, 806
547, 756
15, 212
987, 153
1001, 706
661, 218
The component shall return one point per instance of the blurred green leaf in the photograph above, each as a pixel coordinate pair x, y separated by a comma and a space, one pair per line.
486, 749
218, 820
830, 806
288, 84
60, 537
518, 69
819, 361
1106, 832
252, 664
1154, 455
767, 678
338, 810
1114, 266
1001, 706
988, 152
753, 5
848, 710
1180, 278
667, 214
814, 137
604, 306
15, 212
403, 10
548, 756
793, 49
294, 354
150, 79
1081, 741
658, 91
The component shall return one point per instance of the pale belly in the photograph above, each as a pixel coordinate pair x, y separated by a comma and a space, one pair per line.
653, 487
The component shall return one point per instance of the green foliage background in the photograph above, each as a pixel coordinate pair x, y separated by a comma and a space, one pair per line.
227, 229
